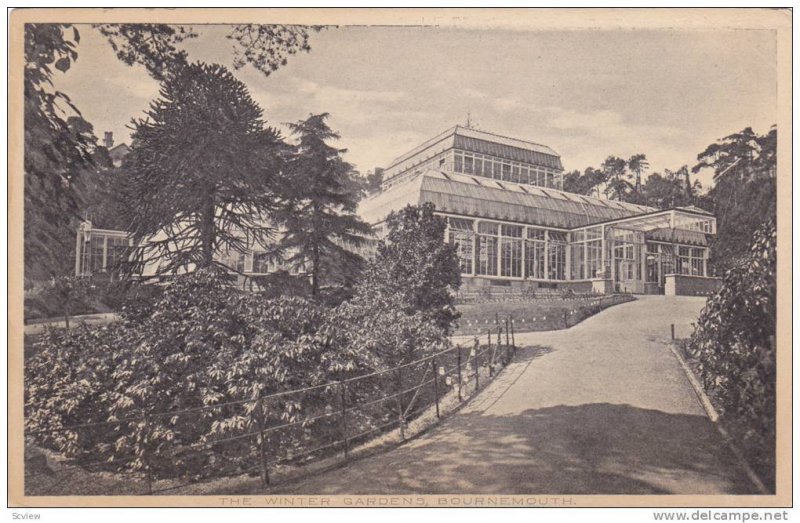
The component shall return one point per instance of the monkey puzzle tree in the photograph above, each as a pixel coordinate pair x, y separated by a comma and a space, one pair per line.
55, 157
200, 171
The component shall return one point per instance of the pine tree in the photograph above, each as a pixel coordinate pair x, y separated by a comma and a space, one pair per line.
638, 164
743, 193
200, 171
615, 172
318, 216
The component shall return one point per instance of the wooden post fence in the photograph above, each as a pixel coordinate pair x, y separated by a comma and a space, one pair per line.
401, 417
343, 387
476, 350
458, 367
262, 449
145, 457
513, 343
435, 385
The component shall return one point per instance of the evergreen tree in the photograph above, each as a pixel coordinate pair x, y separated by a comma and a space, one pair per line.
586, 183
671, 189
200, 171
373, 181
618, 187
744, 192
638, 164
55, 156
318, 216
415, 266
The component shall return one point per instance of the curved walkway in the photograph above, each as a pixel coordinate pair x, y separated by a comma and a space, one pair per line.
601, 408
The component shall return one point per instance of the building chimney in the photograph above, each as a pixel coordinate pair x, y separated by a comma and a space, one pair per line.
108, 140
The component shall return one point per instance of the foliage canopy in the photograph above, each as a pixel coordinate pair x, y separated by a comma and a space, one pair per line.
319, 194
200, 171
734, 346
415, 265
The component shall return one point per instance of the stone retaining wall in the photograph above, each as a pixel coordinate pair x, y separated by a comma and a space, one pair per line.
685, 285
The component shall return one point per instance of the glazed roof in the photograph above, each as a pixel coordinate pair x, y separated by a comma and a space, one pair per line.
665, 234
487, 198
484, 142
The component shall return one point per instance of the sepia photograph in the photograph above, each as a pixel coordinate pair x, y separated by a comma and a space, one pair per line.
400, 257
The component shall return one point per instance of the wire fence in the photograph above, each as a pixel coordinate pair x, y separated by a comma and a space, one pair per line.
168, 451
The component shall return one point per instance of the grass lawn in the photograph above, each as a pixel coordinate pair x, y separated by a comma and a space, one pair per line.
535, 315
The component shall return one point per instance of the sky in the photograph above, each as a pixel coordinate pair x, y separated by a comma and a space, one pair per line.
587, 94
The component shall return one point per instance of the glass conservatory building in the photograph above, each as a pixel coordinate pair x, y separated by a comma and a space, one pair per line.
515, 228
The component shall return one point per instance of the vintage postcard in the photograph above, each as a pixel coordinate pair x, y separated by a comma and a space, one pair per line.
400, 257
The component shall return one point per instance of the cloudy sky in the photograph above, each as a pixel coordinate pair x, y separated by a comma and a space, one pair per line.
585, 93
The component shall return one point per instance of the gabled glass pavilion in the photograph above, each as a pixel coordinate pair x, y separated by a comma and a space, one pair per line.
512, 224
514, 227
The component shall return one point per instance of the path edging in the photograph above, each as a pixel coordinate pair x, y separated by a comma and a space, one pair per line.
712, 414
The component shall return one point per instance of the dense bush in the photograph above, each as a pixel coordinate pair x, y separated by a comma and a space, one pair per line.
75, 296
416, 266
177, 386
205, 343
60, 298
733, 346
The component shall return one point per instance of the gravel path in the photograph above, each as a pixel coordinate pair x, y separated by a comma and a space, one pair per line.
601, 408
100, 318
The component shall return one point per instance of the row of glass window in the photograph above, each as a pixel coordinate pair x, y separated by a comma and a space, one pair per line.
690, 261
586, 259
497, 250
262, 263
587, 252
103, 253
694, 224
506, 170
687, 260
487, 167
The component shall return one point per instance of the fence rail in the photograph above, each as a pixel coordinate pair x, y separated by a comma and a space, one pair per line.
336, 418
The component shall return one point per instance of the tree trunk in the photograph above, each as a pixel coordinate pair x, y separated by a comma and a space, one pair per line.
207, 228
315, 254
315, 270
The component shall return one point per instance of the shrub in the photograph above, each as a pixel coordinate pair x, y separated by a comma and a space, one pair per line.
567, 294
415, 266
87, 296
202, 345
385, 332
733, 346
62, 297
